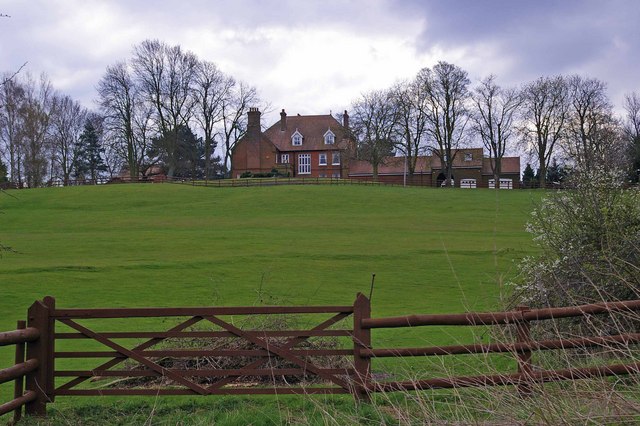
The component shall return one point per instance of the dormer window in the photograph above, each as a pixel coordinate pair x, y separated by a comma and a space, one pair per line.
329, 138
296, 138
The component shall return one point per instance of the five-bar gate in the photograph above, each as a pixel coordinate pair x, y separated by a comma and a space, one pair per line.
49, 328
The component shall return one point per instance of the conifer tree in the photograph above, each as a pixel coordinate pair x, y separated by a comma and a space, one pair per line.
89, 158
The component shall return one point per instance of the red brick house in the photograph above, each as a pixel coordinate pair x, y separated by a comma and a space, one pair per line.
470, 170
297, 146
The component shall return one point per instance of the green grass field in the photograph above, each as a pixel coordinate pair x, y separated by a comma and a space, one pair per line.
432, 250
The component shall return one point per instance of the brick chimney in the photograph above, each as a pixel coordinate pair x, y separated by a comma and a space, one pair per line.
345, 119
253, 123
283, 120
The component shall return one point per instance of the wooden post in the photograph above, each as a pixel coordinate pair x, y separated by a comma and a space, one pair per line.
361, 340
40, 380
50, 303
19, 382
523, 330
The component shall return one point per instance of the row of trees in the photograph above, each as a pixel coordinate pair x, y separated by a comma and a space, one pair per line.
46, 135
163, 107
155, 103
562, 119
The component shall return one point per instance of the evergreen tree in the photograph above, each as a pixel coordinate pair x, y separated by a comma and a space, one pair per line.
181, 151
556, 173
89, 155
528, 176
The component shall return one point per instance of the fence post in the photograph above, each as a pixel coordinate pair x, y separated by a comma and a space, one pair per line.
523, 329
40, 381
19, 382
361, 340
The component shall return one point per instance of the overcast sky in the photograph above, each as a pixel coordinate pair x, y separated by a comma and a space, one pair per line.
311, 56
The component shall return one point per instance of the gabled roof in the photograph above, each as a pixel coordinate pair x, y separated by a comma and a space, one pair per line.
312, 128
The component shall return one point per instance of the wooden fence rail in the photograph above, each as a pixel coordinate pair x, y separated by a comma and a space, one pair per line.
20, 369
521, 349
42, 364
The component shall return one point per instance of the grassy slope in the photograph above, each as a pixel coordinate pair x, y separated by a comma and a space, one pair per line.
164, 245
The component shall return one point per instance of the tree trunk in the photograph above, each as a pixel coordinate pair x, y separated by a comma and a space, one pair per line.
447, 181
497, 171
542, 172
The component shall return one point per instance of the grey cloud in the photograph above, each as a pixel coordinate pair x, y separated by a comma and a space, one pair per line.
543, 37
523, 39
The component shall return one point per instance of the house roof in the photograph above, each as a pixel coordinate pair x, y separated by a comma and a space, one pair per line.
459, 158
426, 164
390, 166
312, 128
509, 165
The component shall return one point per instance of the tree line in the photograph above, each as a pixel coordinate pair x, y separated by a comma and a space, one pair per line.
162, 107
165, 107
562, 122
46, 134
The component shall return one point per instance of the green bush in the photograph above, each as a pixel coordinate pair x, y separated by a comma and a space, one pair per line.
589, 240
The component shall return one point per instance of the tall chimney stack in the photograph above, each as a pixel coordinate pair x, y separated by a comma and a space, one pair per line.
283, 121
345, 119
253, 123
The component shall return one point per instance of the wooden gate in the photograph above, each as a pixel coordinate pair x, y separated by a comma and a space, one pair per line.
49, 328
66, 327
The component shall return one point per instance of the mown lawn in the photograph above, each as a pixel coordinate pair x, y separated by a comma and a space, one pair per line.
432, 250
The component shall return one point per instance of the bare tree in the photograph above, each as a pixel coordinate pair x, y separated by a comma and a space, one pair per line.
39, 105
592, 133
166, 76
12, 98
632, 132
411, 105
67, 123
373, 122
211, 88
235, 104
494, 120
446, 88
544, 114
127, 119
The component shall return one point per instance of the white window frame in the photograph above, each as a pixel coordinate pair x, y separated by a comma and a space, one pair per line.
335, 155
304, 164
321, 157
468, 183
284, 158
468, 156
506, 183
296, 138
329, 137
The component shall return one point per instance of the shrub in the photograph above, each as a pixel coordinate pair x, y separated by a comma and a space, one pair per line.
589, 240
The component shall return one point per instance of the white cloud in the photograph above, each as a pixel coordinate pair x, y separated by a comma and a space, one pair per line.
314, 55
